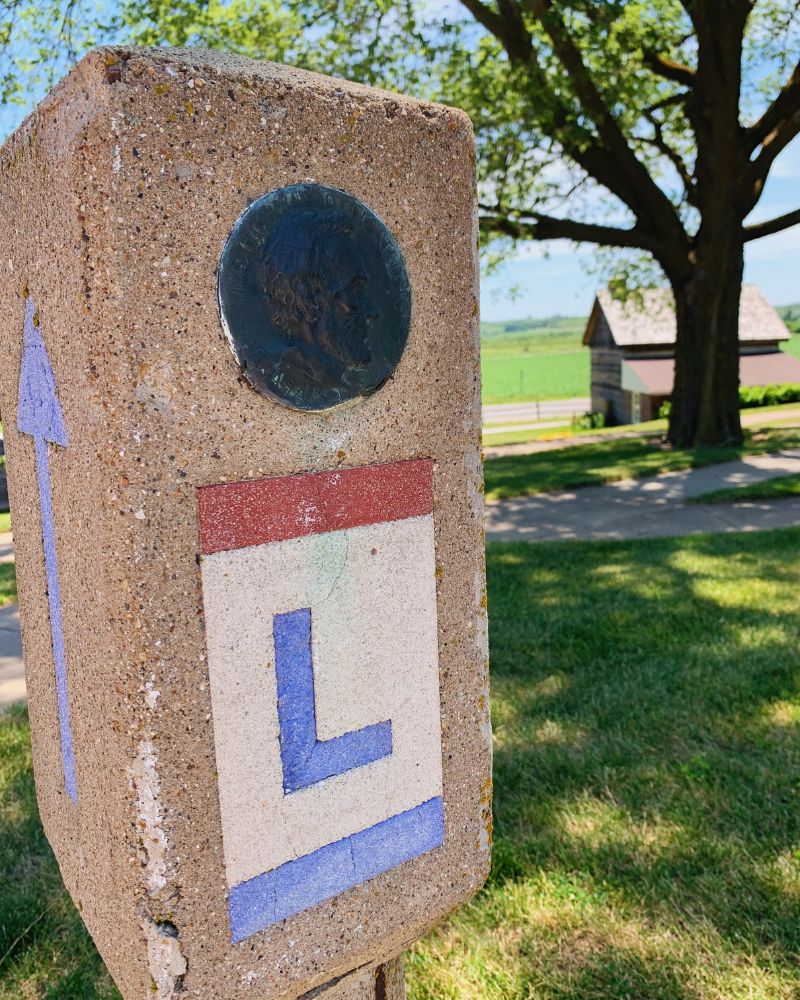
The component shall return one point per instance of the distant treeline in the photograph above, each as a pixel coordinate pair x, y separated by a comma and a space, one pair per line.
521, 327
791, 316
559, 324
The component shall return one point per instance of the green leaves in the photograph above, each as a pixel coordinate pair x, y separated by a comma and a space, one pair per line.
569, 100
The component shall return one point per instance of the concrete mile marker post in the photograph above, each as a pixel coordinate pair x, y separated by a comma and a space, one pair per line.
252, 586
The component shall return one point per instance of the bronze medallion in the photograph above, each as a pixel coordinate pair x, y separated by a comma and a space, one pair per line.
314, 297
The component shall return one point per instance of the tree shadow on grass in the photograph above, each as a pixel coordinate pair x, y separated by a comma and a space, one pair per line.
647, 725
589, 974
45, 951
616, 458
647, 704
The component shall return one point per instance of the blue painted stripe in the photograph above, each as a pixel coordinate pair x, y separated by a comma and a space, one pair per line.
56, 628
304, 882
305, 759
39, 414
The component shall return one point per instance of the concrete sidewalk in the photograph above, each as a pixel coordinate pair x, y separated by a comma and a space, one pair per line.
12, 673
643, 508
649, 508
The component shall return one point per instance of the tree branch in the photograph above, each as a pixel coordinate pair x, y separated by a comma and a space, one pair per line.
507, 26
641, 193
785, 106
773, 145
674, 157
534, 225
776, 225
774, 130
670, 69
679, 97
582, 146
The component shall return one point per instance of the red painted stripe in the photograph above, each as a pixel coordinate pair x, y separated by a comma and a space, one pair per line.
234, 515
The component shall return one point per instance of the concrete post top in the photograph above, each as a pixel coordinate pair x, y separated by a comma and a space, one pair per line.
194, 68
247, 491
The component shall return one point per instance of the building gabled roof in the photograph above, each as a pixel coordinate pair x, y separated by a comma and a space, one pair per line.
650, 322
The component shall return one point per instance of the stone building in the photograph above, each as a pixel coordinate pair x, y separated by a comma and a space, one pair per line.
633, 351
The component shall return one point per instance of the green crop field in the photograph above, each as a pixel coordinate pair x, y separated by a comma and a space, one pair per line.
793, 346
523, 360
534, 359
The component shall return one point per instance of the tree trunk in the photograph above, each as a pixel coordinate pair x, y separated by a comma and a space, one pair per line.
705, 396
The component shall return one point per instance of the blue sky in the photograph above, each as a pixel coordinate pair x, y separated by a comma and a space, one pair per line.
560, 283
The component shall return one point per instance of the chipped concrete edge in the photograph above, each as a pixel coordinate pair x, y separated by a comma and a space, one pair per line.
165, 959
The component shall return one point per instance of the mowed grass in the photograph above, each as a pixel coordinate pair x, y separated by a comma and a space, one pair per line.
771, 489
646, 703
8, 586
45, 952
615, 459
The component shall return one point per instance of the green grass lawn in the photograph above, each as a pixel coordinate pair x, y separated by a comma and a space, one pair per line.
45, 951
771, 489
646, 703
548, 376
526, 360
614, 459
8, 588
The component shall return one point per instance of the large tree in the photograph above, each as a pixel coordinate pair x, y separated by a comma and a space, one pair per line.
646, 126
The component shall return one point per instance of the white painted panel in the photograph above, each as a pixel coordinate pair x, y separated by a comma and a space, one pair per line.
372, 594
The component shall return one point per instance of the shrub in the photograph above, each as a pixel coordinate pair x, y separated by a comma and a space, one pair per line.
768, 395
754, 395
589, 421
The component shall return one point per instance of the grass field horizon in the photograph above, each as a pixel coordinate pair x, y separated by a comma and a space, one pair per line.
524, 360
539, 359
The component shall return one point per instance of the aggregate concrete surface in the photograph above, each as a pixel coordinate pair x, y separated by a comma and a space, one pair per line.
136, 167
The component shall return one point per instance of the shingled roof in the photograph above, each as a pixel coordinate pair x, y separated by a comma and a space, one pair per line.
652, 322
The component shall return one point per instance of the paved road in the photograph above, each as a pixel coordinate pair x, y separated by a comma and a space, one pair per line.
648, 508
532, 412
750, 418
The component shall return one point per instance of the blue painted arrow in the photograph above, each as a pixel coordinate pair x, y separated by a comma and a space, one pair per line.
39, 414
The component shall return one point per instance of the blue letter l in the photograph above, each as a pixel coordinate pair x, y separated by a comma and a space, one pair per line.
306, 759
